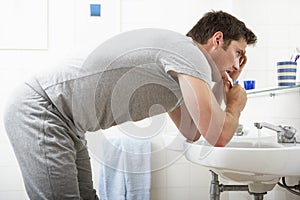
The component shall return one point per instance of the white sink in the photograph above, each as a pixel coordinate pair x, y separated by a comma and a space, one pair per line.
260, 163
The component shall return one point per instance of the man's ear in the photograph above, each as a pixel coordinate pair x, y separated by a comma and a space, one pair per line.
218, 39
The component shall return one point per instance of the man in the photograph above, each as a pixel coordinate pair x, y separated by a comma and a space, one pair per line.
132, 76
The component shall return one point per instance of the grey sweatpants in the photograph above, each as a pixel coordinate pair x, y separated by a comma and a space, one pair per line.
54, 162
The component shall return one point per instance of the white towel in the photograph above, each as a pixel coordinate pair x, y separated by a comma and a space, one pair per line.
125, 172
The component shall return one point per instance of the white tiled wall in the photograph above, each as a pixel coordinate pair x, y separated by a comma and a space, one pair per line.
277, 25
278, 107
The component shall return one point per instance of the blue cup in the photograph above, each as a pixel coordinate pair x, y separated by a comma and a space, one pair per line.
286, 73
249, 84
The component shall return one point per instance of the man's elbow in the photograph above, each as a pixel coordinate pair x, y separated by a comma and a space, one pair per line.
221, 142
217, 142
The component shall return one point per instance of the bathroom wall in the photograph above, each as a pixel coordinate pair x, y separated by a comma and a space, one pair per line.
275, 22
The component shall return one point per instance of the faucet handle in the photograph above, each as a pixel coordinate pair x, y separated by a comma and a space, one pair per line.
289, 132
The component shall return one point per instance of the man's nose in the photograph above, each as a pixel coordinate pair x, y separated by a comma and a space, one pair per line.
236, 65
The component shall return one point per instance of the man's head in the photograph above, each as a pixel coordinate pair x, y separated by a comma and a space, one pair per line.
225, 39
231, 27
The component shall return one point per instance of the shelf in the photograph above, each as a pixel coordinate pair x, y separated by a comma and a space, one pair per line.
274, 89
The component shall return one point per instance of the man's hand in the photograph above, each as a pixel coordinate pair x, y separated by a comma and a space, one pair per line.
236, 98
235, 74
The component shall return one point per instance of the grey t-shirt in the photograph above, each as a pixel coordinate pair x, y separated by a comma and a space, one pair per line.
127, 78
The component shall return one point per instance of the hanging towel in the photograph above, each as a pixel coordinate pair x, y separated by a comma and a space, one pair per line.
125, 171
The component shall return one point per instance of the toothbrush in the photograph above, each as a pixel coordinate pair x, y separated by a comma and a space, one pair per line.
229, 80
296, 58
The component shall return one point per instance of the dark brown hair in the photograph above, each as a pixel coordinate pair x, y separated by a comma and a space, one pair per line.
230, 26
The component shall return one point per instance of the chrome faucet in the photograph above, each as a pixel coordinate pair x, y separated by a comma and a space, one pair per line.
285, 134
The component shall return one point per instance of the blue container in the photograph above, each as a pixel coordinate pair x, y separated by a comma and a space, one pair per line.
249, 85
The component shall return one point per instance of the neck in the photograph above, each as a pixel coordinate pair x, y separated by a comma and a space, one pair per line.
206, 50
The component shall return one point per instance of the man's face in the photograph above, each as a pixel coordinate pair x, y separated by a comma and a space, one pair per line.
229, 60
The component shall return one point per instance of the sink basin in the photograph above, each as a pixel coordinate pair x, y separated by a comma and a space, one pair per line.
251, 161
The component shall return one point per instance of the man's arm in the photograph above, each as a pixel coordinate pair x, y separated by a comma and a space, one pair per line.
183, 121
218, 91
216, 125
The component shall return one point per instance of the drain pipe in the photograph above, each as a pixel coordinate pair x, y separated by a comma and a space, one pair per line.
216, 188
259, 196
224, 188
